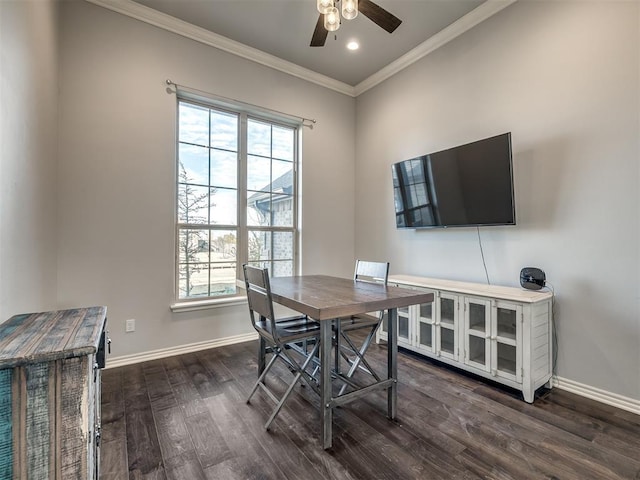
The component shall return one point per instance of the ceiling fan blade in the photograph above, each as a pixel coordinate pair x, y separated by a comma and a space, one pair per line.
319, 34
379, 15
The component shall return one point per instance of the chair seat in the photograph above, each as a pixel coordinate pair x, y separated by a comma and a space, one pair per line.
295, 321
358, 321
291, 330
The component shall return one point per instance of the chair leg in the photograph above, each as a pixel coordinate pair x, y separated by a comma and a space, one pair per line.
263, 374
360, 353
337, 335
299, 374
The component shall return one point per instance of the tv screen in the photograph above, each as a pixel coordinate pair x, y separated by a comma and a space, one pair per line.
468, 185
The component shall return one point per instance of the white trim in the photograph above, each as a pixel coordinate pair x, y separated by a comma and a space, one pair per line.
457, 28
602, 396
179, 350
180, 27
185, 29
179, 307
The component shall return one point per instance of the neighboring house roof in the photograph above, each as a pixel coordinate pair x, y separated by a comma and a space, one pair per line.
283, 185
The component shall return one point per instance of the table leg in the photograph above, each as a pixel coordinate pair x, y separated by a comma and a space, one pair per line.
325, 382
392, 363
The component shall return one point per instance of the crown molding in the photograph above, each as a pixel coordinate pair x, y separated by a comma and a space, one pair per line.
457, 28
180, 27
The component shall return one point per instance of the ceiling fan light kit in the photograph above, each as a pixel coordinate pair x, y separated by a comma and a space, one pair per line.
332, 14
349, 9
332, 20
329, 19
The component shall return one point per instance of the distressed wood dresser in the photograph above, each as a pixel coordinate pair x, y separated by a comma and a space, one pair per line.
50, 394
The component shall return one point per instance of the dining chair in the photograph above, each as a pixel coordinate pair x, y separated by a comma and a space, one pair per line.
281, 337
345, 345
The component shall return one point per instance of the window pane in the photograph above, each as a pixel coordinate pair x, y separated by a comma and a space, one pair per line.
193, 245
222, 279
258, 173
194, 124
224, 169
224, 130
283, 143
193, 280
258, 138
194, 164
282, 177
193, 204
265, 264
258, 209
259, 245
282, 245
224, 206
282, 269
282, 214
223, 246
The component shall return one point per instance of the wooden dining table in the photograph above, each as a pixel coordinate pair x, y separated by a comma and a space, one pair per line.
326, 299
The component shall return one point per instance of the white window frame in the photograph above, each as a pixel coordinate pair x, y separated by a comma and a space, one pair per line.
244, 115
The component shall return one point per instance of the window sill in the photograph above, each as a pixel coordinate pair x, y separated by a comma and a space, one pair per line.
179, 307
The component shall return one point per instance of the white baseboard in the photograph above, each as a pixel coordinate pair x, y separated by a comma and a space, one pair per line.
179, 350
613, 399
602, 396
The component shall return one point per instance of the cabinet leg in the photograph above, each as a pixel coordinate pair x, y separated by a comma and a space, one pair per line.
528, 394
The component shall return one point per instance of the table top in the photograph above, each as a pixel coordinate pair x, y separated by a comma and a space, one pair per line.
45, 336
323, 297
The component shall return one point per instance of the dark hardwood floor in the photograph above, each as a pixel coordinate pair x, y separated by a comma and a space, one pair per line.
185, 418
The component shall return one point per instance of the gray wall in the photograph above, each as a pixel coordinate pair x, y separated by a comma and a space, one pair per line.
117, 171
563, 77
28, 150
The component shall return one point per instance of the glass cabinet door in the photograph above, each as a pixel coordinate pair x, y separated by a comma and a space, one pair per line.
446, 326
404, 326
506, 335
477, 332
425, 335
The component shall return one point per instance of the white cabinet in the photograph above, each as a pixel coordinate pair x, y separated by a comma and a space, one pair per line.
500, 333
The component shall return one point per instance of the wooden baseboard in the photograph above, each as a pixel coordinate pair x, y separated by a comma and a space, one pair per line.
602, 396
179, 350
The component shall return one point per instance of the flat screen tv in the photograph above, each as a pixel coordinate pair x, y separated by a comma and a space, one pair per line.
468, 185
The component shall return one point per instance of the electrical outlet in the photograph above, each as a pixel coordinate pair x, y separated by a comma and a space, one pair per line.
130, 325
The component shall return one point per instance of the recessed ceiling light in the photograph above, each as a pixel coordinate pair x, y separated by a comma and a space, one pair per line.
353, 45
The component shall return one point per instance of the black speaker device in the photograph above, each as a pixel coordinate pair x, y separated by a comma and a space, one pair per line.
532, 278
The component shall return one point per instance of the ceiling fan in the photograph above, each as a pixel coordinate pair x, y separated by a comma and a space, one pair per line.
373, 11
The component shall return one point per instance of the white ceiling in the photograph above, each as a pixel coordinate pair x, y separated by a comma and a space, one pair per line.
283, 28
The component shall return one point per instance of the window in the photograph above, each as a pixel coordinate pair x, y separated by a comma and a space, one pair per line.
236, 200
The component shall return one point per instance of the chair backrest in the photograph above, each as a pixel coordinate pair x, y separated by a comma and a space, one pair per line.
373, 272
259, 295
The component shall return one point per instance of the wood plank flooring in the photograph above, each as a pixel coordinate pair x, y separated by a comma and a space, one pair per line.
185, 418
